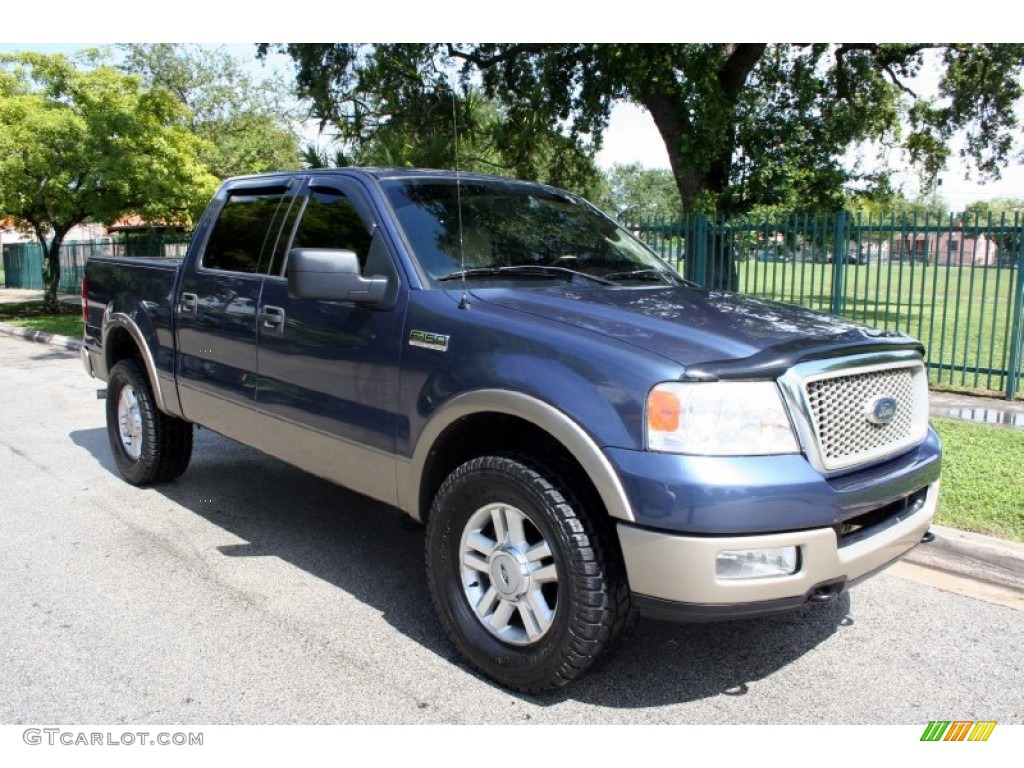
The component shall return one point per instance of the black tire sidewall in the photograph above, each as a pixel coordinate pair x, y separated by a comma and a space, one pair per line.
143, 469
478, 483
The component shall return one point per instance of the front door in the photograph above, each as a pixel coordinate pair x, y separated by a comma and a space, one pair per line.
329, 371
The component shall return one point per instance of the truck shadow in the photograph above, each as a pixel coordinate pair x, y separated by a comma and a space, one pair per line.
668, 663
374, 553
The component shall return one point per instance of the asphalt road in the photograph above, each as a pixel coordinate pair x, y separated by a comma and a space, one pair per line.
250, 592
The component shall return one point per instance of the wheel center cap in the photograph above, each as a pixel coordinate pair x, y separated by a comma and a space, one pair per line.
507, 575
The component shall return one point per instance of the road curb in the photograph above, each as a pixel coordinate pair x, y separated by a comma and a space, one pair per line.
986, 561
41, 337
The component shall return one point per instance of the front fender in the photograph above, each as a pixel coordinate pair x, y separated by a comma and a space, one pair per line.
543, 415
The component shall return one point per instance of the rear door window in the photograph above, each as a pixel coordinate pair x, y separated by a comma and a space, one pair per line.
243, 236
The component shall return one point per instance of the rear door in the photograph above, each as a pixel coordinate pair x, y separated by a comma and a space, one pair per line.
218, 304
328, 370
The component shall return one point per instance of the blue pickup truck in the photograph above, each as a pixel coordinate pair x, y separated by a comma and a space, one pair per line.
586, 436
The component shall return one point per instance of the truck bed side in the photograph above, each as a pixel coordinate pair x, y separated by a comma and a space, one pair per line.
130, 313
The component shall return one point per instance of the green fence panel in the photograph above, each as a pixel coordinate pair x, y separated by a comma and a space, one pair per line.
1017, 330
956, 282
23, 265
23, 262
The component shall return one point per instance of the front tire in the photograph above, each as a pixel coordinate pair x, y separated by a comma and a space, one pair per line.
526, 585
148, 445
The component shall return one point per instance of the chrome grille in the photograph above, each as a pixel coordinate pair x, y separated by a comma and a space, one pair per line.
838, 408
840, 417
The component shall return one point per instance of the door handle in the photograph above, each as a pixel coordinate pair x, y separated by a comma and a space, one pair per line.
189, 304
272, 319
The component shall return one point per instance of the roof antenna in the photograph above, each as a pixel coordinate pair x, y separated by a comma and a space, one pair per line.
464, 302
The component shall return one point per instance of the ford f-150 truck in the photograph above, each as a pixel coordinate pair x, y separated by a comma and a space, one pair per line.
586, 436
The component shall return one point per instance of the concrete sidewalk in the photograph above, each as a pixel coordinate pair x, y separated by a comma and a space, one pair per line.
25, 295
984, 410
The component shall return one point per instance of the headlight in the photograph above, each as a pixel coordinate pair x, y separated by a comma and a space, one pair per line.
722, 418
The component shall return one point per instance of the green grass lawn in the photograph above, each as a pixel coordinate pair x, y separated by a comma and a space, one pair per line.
963, 315
30, 315
982, 478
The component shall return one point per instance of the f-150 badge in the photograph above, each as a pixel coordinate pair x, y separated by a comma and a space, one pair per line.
436, 341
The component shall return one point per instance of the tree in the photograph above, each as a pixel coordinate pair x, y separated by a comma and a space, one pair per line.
247, 124
1005, 211
394, 108
744, 124
1007, 214
643, 193
92, 145
422, 132
897, 205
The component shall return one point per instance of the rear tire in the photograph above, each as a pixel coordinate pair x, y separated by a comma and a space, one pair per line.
148, 445
527, 586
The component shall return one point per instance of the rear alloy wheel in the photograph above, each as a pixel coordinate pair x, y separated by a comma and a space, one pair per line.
148, 445
524, 582
129, 422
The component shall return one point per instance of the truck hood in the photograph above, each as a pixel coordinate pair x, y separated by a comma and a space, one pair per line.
714, 334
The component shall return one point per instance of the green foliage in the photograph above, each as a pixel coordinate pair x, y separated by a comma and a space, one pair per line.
246, 124
1005, 212
642, 193
389, 105
745, 124
981, 478
888, 205
92, 145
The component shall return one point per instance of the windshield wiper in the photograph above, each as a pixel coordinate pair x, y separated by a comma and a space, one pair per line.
648, 273
651, 274
522, 270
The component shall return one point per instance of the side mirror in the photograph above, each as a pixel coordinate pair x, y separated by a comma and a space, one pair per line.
331, 275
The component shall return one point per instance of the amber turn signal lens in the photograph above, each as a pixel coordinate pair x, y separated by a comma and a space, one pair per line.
663, 410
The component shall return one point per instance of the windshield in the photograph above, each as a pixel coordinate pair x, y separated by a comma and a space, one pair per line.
514, 230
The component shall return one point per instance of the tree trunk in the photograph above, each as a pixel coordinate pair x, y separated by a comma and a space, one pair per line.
51, 271
705, 261
702, 173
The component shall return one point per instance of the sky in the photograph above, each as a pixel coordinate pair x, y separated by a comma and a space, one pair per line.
631, 136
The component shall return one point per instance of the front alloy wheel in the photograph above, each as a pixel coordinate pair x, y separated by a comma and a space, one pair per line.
523, 577
509, 575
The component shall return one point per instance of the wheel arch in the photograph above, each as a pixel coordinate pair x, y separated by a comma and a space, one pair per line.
122, 339
501, 421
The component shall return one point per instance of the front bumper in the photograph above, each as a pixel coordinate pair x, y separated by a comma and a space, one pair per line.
674, 576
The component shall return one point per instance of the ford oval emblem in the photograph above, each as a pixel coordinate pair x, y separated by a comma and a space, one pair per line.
882, 410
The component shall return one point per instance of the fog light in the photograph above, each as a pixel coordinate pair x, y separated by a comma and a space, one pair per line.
756, 563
